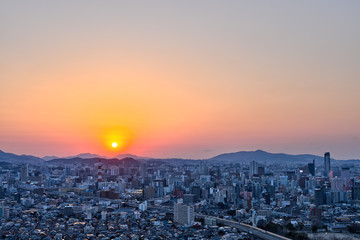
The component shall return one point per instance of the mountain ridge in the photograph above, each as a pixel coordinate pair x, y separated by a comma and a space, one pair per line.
92, 155
234, 157
20, 159
92, 161
263, 156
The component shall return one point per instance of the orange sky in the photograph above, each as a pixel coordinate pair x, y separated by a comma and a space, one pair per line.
179, 80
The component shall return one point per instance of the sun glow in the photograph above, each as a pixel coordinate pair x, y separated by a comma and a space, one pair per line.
116, 139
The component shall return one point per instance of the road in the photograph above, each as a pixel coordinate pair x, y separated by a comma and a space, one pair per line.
257, 232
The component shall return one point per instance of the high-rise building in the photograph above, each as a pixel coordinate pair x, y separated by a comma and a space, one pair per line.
327, 163
319, 196
143, 170
355, 191
256, 190
114, 171
267, 198
346, 176
261, 170
253, 168
184, 214
311, 167
159, 188
284, 181
196, 190
24, 173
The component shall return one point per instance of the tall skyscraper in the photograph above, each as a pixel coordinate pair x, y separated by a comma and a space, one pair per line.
327, 164
253, 168
197, 191
355, 191
311, 167
319, 196
261, 170
24, 173
143, 170
184, 214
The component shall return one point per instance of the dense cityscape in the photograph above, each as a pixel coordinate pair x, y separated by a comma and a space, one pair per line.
152, 199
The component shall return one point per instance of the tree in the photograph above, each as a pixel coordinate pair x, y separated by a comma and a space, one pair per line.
301, 236
200, 220
290, 227
231, 213
219, 224
261, 224
273, 227
301, 226
297, 236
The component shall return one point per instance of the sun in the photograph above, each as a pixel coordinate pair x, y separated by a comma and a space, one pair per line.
116, 139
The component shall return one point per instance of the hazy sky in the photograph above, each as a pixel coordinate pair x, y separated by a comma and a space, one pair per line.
180, 78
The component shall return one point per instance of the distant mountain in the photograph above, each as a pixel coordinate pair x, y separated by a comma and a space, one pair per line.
129, 159
47, 158
20, 159
178, 161
81, 155
91, 155
87, 155
127, 155
262, 156
91, 161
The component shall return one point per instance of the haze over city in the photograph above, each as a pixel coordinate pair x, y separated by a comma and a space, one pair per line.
189, 120
179, 79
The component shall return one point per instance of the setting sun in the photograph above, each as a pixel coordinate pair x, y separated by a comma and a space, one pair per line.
115, 139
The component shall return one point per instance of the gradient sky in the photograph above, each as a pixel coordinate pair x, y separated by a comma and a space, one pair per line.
180, 78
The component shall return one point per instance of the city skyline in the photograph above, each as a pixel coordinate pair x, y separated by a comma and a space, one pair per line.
180, 199
149, 120
189, 79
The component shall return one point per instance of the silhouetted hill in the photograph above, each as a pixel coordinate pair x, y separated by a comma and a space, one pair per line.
92, 161
87, 155
20, 159
129, 159
262, 156
81, 155
91, 155
128, 155
176, 160
47, 158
